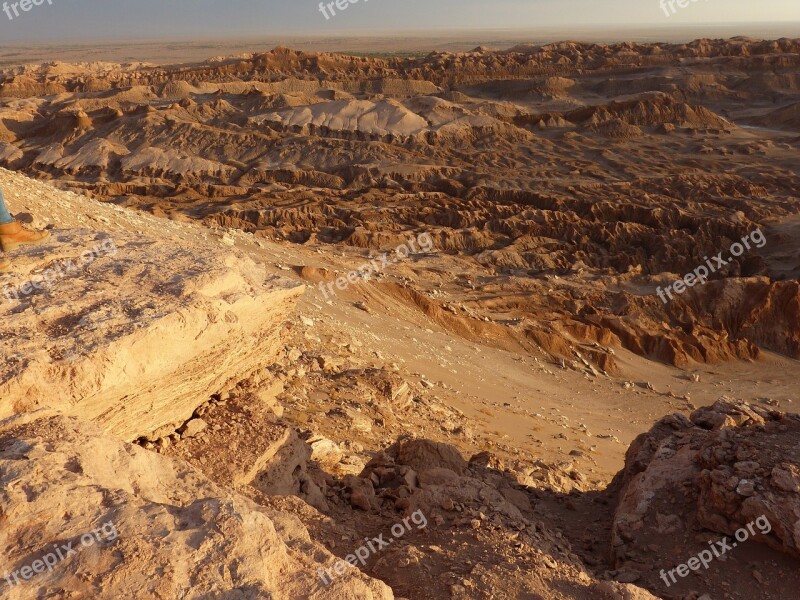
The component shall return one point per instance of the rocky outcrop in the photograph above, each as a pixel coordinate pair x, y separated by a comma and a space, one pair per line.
260, 451
749, 469
727, 467
118, 316
132, 524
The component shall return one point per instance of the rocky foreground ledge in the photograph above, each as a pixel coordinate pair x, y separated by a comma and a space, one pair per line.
122, 522
125, 319
116, 328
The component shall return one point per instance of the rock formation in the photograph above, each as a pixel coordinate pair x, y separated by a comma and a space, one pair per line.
165, 531
727, 466
159, 306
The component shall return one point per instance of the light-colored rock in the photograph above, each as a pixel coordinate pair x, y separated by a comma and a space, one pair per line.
268, 394
194, 427
172, 533
358, 421
326, 452
138, 310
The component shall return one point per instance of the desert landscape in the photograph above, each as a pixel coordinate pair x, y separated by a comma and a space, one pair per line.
513, 322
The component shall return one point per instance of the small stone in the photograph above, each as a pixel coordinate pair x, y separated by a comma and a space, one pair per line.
360, 500
409, 477
549, 562
786, 477
628, 575
325, 451
358, 421
193, 427
329, 364
745, 488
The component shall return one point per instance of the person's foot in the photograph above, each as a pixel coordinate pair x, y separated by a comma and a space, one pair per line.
5, 265
13, 235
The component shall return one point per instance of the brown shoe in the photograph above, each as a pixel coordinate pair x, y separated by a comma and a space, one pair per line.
13, 235
5, 265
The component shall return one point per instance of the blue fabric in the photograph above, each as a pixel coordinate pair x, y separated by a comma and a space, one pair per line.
5, 216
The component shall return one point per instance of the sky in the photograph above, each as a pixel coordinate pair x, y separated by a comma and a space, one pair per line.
94, 20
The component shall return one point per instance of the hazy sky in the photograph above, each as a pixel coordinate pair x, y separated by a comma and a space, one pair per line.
105, 19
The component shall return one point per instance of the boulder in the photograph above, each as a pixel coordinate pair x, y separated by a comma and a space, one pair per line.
422, 455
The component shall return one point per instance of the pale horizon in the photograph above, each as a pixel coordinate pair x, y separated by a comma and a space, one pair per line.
107, 20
